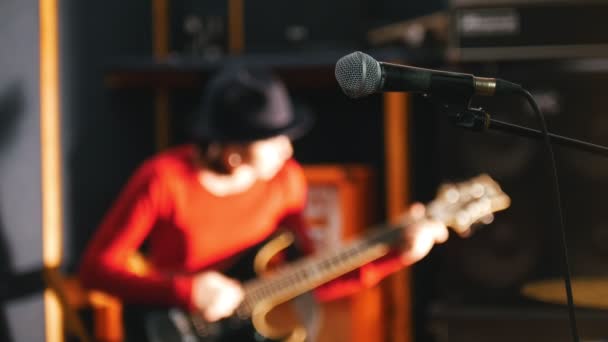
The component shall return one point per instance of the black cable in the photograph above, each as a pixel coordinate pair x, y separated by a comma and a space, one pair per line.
558, 203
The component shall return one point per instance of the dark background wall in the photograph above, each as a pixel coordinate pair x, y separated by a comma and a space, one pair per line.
21, 306
106, 132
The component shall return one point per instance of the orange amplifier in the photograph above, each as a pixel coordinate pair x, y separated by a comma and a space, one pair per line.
341, 204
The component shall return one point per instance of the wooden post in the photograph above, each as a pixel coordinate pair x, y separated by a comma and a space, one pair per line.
160, 29
397, 287
50, 154
236, 26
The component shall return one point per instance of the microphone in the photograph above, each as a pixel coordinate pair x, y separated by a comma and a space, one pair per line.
360, 75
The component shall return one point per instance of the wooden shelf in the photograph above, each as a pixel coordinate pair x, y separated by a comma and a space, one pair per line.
186, 71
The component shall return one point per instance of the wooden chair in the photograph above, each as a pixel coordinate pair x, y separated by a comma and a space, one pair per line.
107, 310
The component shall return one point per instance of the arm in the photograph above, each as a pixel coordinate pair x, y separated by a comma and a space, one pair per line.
122, 231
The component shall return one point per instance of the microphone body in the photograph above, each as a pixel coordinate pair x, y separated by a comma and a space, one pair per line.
396, 77
360, 75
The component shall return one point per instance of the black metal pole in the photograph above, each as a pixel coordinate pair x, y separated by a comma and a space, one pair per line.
537, 134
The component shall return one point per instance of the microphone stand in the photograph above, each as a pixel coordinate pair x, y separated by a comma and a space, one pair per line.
476, 119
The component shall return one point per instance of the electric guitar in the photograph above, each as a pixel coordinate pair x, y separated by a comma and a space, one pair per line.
458, 205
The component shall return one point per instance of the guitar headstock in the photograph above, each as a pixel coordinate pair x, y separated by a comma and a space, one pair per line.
461, 205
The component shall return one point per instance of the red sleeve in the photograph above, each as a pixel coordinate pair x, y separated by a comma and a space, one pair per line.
142, 202
365, 277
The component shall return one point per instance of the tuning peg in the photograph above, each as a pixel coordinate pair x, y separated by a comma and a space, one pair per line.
451, 194
478, 190
463, 219
487, 219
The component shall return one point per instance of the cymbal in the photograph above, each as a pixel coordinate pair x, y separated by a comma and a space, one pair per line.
588, 292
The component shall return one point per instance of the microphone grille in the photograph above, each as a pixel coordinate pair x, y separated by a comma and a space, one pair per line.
358, 74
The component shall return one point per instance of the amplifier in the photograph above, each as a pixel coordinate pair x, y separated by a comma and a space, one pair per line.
509, 30
278, 26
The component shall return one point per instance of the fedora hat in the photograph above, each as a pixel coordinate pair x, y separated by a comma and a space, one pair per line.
245, 104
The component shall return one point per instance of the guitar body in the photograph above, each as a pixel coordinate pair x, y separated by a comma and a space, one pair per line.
279, 320
175, 325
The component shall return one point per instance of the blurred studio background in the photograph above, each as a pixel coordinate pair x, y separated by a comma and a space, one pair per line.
89, 89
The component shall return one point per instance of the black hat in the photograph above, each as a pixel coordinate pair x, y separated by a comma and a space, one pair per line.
243, 105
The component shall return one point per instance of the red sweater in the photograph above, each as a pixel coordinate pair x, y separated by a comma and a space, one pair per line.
188, 230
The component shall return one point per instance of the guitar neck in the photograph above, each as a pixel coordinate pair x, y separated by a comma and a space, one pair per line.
308, 273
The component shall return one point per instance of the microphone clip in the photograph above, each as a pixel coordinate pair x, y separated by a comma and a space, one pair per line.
475, 119
462, 115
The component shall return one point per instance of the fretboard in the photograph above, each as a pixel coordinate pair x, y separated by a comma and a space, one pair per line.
308, 273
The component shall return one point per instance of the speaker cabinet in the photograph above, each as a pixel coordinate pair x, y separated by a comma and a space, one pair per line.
523, 243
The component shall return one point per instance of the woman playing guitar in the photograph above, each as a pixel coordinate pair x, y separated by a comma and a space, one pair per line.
199, 206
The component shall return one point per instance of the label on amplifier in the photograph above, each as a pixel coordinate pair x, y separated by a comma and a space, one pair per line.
488, 22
